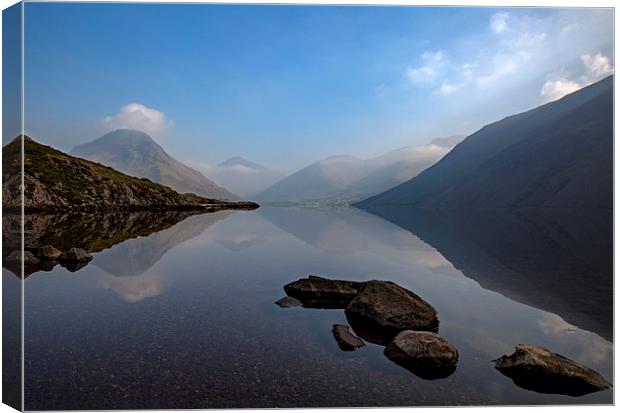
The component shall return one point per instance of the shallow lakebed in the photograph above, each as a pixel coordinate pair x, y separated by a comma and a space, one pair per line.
185, 317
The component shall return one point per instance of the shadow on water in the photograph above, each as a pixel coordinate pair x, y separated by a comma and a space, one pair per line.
153, 233
556, 260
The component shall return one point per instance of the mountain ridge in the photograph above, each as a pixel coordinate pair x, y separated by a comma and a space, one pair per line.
555, 155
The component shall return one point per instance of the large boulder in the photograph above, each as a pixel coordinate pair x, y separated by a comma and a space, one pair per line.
390, 309
538, 369
346, 341
75, 255
323, 289
426, 354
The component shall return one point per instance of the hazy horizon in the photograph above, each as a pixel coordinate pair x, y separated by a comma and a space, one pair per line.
285, 86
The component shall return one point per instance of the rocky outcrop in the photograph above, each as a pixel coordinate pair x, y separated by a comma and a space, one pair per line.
538, 369
75, 255
56, 181
392, 308
424, 353
319, 288
48, 252
346, 341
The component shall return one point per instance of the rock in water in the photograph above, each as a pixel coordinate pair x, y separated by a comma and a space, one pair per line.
536, 368
288, 302
48, 252
392, 308
76, 255
319, 288
346, 341
426, 354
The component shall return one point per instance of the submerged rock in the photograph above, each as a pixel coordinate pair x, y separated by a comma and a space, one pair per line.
48, 252
346, 341
391, 308
75, 255
538, 369
424, 353
287, 302
319, 288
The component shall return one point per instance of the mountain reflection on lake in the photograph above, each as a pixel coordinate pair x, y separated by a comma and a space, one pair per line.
182, 315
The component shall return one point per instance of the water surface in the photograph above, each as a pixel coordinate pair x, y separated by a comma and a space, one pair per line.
184, 317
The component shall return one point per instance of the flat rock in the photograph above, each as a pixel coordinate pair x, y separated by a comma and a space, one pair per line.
538, 369
75, 255
424, 353
48, 252
346, 341
392, 308
319, 288
287, 302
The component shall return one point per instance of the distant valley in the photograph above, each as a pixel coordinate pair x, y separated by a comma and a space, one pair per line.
347, 178
243, 177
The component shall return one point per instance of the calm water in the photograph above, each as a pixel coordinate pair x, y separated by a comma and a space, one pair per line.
184, 317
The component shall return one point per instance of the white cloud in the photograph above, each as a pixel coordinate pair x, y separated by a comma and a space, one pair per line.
598, 66
140, 117
499, 22
555, 89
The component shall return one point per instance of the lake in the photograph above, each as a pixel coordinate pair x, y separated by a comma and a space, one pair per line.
178, 311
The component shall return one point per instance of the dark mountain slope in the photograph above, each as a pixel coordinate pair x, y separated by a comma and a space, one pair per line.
56, 181
557, 155
137, 154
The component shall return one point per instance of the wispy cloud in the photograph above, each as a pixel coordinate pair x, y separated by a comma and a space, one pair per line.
516, 48
432, 64
499, 22
140, 117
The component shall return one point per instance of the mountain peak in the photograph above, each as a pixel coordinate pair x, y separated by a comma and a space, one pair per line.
239, 161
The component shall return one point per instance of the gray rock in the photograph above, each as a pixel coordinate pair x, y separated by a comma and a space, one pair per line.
391, 308
48, 252
319, 288
346, 341
287, 302
538, 369
75, 255
426, 354
15, 257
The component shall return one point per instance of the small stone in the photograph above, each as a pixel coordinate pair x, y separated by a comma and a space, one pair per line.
424, 353
538, 369
346, 341
287, 302
76, 255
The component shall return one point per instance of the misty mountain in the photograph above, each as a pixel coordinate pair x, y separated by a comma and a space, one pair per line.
243, 177
348, 178
136, 153
557, 155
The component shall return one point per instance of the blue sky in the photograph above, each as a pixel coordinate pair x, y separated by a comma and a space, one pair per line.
288, 85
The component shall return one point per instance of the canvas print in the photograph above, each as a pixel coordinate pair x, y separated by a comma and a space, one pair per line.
211, 206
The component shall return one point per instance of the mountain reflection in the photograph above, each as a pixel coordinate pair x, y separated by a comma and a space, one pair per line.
556, 260
144, 237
